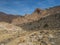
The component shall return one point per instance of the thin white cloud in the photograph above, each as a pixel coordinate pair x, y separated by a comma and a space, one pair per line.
51, 1
8, 10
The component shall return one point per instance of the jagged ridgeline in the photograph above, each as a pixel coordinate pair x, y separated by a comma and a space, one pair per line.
50, 20
39, 19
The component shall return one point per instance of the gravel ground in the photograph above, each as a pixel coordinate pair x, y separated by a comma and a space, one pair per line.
39, 37
43, 37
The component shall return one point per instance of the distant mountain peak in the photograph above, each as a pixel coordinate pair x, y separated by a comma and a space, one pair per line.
2, 13
38, 10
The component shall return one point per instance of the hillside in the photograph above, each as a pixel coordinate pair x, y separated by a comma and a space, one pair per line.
36, 15
46, 19
42, 27
9, 32
14, 35
48, 22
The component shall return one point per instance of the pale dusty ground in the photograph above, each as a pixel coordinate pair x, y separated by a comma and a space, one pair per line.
42, 37
18, 36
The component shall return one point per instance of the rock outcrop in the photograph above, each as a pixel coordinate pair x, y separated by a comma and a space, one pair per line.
48, 19
48, 22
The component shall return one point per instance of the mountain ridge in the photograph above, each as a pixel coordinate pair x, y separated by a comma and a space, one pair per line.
36, 15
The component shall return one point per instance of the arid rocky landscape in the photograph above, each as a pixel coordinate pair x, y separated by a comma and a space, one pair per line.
42, 27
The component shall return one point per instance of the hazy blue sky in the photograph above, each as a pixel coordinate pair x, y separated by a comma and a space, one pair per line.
25, 6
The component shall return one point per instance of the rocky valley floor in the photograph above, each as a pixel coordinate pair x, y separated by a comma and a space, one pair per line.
40, 37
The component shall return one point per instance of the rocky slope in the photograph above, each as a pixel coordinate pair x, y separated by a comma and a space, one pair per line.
22, 37
42, 27
48, 22
46, 19
9, 32
36, 15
